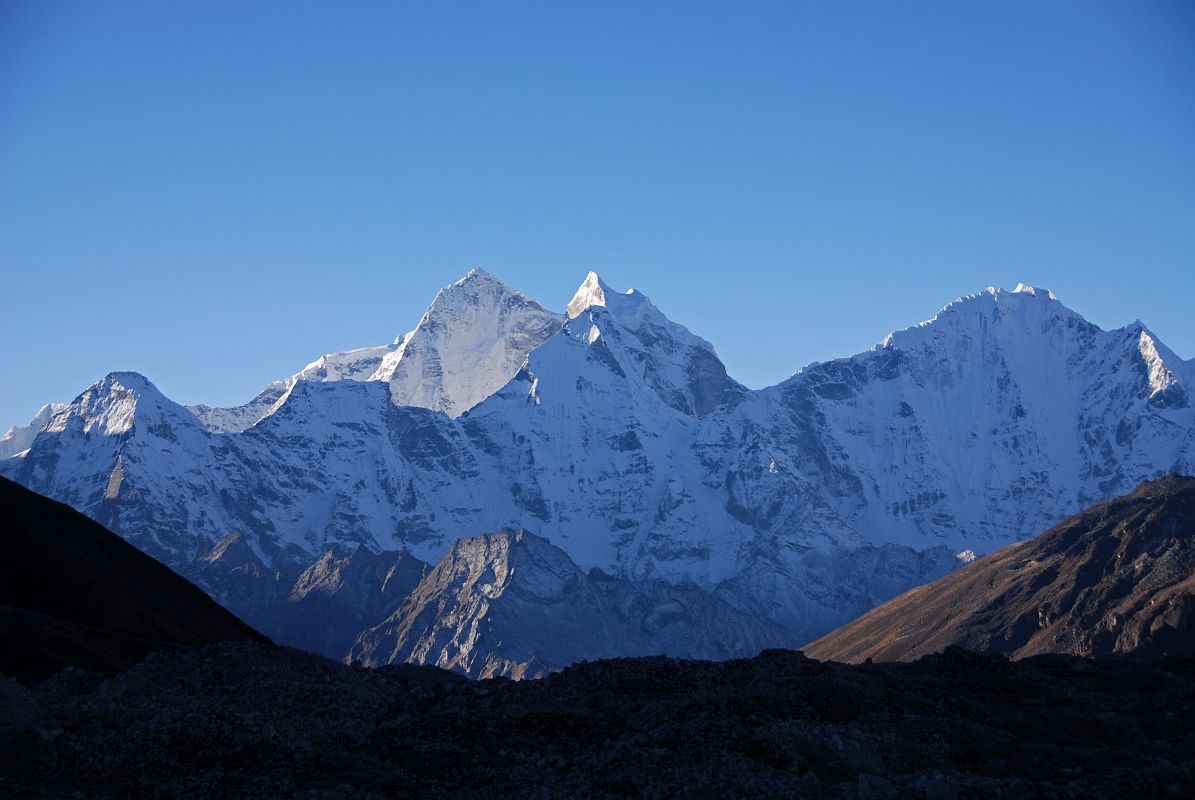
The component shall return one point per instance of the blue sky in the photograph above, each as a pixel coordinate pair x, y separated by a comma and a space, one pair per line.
215, 193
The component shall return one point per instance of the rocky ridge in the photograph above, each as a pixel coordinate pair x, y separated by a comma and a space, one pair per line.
1116, 579
513, 605
74, 594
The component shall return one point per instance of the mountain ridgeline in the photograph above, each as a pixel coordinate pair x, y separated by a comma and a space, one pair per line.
74, 594
1116, 579
629, 485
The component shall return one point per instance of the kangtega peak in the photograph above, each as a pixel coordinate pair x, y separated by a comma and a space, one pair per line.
617, 435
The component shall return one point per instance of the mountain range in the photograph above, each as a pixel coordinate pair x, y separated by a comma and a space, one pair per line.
505, 489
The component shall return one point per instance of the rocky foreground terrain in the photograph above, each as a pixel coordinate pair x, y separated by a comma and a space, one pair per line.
252, 720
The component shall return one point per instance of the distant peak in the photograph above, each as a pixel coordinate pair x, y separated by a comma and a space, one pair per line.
592, 292
134, 381
477, 286
476, 283
996, 294
476, 275
1023, 288
1022, 301
475, 279
596, 292
630, 310
115, 401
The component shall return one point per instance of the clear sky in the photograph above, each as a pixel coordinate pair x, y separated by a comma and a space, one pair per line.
215, 193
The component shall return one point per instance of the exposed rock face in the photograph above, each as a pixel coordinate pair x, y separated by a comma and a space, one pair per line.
321, 608
621, 440
234, 575
512, 604
1118, 578
74, 594
339, 596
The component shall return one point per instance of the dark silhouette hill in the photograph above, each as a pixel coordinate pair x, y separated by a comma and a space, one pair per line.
74, 594
1115, 579
248, 721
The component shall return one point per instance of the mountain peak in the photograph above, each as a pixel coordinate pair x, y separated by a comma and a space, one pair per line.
475, 279
133, 381
114, 402
591, 292
476, 275
1026, 306
1023, 288
471, 339
997, 293
477, 288
596, 292
478, 279
20, 437
633, 339
469, 343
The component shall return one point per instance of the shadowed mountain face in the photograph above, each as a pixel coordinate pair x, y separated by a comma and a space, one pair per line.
321, 608
73, 593
513, 604
1118, 578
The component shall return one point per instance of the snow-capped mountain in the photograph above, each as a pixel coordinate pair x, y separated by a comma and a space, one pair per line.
470, 341
350, 365
620, 439
19, 437
1013, 407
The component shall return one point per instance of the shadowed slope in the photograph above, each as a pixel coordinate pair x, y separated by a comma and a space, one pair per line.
513, 604
73, 593
248, 721
1117, 578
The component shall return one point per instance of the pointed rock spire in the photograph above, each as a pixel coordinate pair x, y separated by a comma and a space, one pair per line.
592, 292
